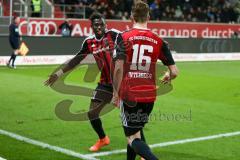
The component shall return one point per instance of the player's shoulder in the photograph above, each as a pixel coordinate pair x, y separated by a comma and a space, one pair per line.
90, 37
113, 30
87, 39
156, 35
127, 32
160, 39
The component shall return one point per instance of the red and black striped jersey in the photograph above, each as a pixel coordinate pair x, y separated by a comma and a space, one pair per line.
102, 51
141, 49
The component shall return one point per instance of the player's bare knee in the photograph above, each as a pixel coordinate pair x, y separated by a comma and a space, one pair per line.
134, 136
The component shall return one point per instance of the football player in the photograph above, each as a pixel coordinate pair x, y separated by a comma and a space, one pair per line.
100, 45
134, 78
14, 40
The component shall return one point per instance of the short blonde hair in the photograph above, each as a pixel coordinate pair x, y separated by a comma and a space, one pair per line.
140, 11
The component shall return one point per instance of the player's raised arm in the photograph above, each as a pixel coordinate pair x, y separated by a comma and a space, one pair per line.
69, 66
119, 56
167, 59
118, 73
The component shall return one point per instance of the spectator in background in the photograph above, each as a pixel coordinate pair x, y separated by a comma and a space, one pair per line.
211, 14
226, 11
70, 11
225, 14
36, 8
66, 28
178, 13
236, 8
14, 40
79, 10
128, 6
62, 2
154, 10
102, 7
90, 8
201, 15
117, 8
125, 16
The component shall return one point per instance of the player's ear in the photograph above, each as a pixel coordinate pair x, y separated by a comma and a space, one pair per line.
148, 17
132, 19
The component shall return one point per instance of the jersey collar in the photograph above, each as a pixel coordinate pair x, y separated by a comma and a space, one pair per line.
138, 27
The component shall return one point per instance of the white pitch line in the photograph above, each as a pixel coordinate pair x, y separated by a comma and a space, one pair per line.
45, 145
28, 67
164, 144
2, 158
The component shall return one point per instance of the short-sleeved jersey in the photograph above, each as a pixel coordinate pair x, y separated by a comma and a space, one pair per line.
102, 50
141, 50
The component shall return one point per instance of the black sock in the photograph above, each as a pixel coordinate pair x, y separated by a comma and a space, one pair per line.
142, 149
131, 155
97, 126
9, 61
13, 60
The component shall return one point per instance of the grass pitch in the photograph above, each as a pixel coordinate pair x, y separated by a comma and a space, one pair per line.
205, 101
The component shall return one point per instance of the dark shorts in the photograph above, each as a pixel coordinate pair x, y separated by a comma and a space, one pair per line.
134, 117
14, 44
103, 93
102, 96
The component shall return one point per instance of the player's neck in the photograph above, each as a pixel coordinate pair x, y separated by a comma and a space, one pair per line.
140, 25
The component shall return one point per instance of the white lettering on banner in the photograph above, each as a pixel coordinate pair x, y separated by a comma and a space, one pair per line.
47, 26
77, 31
39, 27
184, 33
217, 33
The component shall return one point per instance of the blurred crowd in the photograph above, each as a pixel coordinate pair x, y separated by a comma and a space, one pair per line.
226, 11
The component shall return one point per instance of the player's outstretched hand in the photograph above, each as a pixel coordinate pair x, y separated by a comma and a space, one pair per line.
51, 80
166, 78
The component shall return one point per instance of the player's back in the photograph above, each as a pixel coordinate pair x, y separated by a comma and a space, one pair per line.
143, 49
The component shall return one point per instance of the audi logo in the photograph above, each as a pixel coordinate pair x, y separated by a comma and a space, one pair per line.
215, 46
39, 27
